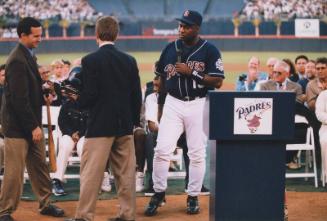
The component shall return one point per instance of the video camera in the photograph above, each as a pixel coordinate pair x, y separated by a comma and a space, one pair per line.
73, 84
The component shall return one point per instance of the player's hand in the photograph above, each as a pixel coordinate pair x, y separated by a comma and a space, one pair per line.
75, 137
182, 68
37, 135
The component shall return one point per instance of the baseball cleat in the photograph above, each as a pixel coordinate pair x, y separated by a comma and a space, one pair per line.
158, 199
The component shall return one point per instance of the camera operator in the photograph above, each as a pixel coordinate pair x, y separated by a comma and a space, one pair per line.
72, 123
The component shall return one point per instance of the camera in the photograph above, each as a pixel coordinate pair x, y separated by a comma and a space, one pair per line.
242, 77
68, 89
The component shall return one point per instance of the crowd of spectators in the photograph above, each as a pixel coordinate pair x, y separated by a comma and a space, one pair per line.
288, 9
72, 10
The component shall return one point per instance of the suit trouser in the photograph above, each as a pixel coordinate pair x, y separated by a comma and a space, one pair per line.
2, 153
18, 152
121, 154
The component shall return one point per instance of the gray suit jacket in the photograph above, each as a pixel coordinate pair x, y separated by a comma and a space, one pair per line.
290, 86
23, 98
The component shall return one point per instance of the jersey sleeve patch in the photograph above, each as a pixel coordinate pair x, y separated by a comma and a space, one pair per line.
219, 65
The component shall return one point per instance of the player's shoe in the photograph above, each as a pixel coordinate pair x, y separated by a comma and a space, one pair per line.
106, 186
57, 188
158, 199
139, 182
192, 205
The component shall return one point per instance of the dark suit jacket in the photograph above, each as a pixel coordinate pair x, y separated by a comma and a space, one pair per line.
111, 91
23, 98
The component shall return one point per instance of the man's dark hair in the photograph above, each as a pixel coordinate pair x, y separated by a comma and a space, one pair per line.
292, 67
2, 67
321, 60
25, 25
301, 57
66, 62
107, 28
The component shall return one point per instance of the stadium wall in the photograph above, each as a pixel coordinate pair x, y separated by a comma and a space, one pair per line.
209, 27
143, 43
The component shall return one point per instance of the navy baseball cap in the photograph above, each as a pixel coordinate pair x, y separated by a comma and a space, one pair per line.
191, 18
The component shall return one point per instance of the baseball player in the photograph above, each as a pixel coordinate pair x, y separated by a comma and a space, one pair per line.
188, 68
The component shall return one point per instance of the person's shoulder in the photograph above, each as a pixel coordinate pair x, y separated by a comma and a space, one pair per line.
171, 45
294, 84
210, 46
312, 83
268, 83
91, 56
16, 55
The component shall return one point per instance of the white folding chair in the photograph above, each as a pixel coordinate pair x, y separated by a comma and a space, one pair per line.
309, 147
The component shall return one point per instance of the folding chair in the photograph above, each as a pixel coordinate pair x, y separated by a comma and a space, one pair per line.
309, 147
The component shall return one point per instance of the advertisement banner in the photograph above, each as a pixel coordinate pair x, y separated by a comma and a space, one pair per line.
307, 28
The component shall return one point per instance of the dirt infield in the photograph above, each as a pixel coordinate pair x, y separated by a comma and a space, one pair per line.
302, 207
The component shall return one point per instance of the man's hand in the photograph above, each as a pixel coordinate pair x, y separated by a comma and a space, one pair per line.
37, 134
72, 96
75, 137
48, 98
183, 69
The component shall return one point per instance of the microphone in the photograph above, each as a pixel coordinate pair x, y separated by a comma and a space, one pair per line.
179, 55
179, 58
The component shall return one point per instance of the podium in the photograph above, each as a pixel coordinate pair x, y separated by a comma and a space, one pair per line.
248, 133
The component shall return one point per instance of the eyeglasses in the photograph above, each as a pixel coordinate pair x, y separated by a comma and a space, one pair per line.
277, 72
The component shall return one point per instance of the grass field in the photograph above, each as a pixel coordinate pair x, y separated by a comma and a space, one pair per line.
234, 62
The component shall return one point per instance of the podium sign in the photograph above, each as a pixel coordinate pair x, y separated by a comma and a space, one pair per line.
253, 116
249, 132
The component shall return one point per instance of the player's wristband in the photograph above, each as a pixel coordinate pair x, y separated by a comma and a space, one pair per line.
198, 77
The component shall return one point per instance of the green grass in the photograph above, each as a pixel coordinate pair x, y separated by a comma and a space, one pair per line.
150, 57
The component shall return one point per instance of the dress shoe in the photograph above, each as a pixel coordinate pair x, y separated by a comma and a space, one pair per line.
74, 219
52, 210
6, 218
118, 219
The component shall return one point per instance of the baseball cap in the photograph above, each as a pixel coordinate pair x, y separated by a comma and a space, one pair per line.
191, 18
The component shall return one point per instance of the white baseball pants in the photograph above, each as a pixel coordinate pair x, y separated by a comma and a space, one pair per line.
179, 116
66, 146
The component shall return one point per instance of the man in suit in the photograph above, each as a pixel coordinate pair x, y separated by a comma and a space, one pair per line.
112, 92
280, 82
21, 122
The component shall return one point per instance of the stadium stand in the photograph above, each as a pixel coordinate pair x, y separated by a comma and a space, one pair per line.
223, 8
287, 9
147, 9
175, 8
110, 7
56, 9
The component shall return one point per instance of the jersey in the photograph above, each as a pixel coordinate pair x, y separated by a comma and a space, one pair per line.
203, 57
